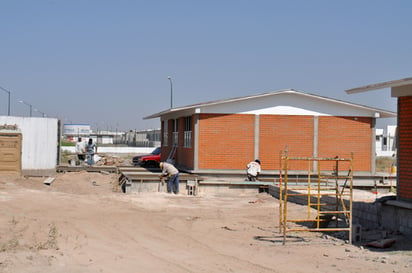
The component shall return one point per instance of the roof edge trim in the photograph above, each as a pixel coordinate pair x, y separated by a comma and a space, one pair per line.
381, 85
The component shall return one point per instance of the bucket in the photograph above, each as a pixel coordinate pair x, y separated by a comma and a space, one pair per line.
72, 162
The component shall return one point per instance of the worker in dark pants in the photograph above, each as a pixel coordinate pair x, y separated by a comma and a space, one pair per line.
80, 150
168, 170
91, 148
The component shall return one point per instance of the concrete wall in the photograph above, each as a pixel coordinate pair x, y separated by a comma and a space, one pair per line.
202, 188
115, 150
40, 143
390, 215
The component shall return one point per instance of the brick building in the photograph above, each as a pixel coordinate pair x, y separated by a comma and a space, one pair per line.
394, 214
401, 89
225, 135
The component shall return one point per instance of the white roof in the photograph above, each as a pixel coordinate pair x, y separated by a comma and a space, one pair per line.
283, 102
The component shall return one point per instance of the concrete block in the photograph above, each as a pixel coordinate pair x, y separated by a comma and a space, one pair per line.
49, 181
356, 233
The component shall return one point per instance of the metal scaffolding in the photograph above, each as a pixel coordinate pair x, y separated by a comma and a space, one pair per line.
327, 195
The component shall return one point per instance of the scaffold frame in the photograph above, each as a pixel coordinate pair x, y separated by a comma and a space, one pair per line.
327, 194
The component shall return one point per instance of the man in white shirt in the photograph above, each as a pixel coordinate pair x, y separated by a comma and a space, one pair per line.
253, 170
80, 150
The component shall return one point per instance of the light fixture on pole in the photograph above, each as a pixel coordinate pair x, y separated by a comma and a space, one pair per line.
28, 104
171, 91
37, 110
5, 90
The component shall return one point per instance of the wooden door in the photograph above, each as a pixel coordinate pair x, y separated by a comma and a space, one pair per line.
10, 153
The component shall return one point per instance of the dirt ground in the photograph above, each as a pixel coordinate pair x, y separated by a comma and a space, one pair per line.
79, 224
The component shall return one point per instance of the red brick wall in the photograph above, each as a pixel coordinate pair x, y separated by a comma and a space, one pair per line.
279, 131
166, 149
226, 141
339, 136
404, 167
185, 156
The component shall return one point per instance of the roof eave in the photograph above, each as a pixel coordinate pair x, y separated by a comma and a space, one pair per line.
381, 85
216, 102
158, 115
382, 113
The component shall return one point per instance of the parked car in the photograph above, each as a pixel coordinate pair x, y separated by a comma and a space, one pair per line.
152, 159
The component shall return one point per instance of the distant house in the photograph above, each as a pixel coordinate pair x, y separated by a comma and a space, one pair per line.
73, 131
386, 141
225, 135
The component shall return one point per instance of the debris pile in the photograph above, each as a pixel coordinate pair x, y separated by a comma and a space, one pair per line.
106, 160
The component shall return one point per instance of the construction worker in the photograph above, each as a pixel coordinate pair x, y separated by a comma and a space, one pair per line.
168, 170
253, 170
91, 149
80, 150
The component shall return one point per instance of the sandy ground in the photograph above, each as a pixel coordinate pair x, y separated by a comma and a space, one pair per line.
79, 224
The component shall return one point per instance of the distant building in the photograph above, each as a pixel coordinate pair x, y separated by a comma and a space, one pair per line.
73, 131
386, 141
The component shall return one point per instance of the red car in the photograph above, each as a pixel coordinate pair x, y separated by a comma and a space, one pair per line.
152, 159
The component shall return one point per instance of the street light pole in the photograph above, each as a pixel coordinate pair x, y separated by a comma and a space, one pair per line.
31, 107
37, 110
5, 90
171, 91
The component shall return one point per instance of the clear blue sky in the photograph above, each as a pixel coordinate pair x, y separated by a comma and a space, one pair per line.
106, 63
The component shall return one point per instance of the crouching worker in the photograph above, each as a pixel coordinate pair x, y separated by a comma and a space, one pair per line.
253, 170
168, 170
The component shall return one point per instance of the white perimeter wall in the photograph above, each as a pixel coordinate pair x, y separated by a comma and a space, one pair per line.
39, 141
115, 150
